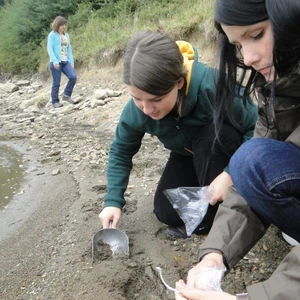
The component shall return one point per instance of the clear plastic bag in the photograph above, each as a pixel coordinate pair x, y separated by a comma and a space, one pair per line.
210, 279
191, 204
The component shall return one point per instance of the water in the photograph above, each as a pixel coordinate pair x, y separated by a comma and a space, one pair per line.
11, 173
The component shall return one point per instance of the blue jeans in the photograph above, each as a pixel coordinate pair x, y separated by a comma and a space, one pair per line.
266, 173
67, 69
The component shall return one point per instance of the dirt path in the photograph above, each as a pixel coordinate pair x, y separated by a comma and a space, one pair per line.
46, 231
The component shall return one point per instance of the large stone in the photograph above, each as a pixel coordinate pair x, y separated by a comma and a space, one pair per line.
111, 93
8, 87
37, 101
23, 83
100, 94
96, 102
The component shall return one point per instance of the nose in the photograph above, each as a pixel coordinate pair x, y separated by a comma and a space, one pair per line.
147, 107
250, 56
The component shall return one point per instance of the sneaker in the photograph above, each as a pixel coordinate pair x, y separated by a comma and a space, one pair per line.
180, 231
201, 230
176, 232
57, 105
67, 98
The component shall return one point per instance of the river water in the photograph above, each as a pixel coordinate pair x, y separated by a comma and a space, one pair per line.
11, 173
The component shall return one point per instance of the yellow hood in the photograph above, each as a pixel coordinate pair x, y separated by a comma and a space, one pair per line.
188, 59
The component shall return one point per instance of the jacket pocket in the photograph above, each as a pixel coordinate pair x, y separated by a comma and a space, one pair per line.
288, 120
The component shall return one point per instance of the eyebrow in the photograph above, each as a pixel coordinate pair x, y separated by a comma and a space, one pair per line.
246, 32
154, 98
242, 35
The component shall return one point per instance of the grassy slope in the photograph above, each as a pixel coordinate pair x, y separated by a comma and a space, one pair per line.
102, 40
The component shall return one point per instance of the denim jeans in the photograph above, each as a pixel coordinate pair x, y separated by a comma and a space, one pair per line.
67, 69
266, 173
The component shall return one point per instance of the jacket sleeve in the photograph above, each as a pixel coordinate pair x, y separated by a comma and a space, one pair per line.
284, 284
236, 229
246, 115
294, 137
50, 48
70, 54
126, 144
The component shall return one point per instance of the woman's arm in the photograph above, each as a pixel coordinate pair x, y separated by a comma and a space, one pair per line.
51, 44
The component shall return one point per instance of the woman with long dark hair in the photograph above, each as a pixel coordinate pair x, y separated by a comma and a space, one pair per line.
259, 41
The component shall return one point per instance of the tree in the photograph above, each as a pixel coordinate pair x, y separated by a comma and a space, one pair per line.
24, 24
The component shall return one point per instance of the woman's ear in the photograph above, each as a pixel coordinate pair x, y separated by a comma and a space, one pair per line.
180, 83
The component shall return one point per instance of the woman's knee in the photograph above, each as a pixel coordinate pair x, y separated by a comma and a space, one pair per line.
249, 159
73, 78
164, 211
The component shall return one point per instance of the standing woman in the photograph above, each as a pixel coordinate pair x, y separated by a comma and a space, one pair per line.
61, 61
173, 98
262, 38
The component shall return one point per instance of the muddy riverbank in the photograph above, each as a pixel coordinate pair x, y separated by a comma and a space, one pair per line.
46, 231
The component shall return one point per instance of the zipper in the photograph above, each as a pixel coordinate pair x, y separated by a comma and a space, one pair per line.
270, 112
186, 139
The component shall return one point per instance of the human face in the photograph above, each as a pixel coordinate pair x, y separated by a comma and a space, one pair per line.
256, 45
156, 107
62, 28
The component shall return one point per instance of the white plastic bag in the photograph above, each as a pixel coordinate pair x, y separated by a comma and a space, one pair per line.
191, 204
210, 279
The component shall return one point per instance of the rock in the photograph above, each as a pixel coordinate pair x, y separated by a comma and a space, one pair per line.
23, 83
36, 85
65, 109
38, 101
55, 172
96, 102
100, 94
8, 87
56, 153
111, 93
78, 99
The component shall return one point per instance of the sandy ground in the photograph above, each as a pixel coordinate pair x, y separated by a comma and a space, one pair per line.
46, 231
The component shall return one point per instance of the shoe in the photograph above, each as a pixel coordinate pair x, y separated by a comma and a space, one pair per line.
57, 105
180, 231
176, 232
69, 99
200, 230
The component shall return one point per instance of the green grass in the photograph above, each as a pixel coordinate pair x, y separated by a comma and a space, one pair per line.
102, 39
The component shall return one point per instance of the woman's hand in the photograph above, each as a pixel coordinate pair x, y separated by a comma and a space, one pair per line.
188, 293
56, 66
109, 215
210, 260
219, 187
192, 290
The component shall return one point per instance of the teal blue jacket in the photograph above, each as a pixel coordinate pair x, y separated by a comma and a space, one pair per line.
54, 48
176, 133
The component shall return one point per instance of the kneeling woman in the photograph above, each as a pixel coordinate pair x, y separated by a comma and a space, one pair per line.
172, 97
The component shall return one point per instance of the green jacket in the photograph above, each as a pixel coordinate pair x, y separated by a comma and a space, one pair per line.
237, 228
175, 133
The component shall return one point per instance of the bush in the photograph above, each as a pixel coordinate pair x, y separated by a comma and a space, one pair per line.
97, 28
24, 25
